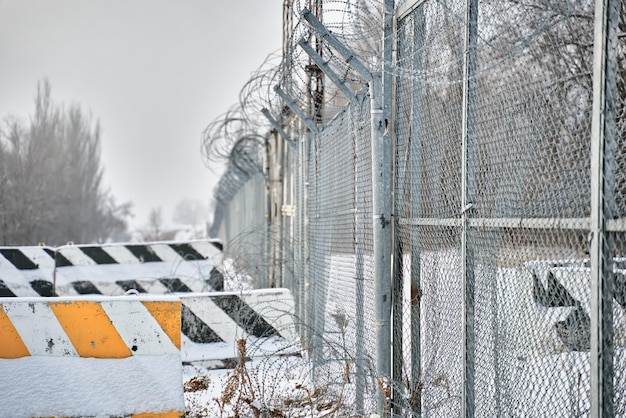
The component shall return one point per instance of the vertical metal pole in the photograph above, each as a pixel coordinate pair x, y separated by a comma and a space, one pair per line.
299, 273
419, 28
318, 93
309, 296
381, 191
317, 279
279, 185
284, 257
296, 281
268, 175
306, 224
314, 113
468, 194
396, 246
360, 285
386, 199
603, 144
297, 237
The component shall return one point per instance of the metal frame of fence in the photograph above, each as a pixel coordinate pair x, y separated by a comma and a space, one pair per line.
428, 229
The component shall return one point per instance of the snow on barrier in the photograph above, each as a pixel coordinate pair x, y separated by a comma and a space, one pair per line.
112, 356
213, 322
111, 269
26, 271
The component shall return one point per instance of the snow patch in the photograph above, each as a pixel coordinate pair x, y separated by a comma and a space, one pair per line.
74, 386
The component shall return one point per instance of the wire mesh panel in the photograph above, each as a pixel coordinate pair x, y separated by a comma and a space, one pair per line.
532, 160
341, 292
366, 385
428, 169
331, 217
529, 99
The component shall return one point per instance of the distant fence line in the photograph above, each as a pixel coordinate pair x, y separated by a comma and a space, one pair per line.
442, 186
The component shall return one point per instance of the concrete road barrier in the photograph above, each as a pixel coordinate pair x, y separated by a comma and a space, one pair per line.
26, 271
212, 323
156, 268
111, 269
90, 356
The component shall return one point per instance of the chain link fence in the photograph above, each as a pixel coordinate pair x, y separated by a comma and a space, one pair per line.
508, 135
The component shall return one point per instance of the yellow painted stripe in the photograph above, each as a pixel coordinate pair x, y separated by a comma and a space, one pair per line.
11, 345
90, 329
167, 314
170, 414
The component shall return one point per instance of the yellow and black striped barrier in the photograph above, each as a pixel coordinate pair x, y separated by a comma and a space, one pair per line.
91, 356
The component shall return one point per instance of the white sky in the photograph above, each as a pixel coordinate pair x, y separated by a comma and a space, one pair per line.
153, 72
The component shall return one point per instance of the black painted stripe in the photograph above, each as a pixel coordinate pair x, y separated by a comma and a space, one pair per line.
195, 329
187, 252
218, 245
18, 259
244, 315
85, 287
175, 285
43, 288
216, 280
61, 261
130, 284
50, 252
144, 253
98, 255
5, 292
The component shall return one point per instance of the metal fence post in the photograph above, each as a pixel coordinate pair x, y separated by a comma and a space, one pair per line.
468, 194
603, 146
381, 196
386, 188
316, 275
298, 280
308, 295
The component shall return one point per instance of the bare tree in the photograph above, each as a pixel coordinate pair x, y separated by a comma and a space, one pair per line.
154, 230
51, 178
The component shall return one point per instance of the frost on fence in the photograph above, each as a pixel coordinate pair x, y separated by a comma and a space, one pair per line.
525, 160
495, 174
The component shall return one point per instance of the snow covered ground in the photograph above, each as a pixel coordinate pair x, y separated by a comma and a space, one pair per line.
274, 385
279, 385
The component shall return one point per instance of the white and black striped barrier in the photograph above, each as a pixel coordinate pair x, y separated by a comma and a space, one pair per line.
213, 322
26, 271
91, 356
111, 269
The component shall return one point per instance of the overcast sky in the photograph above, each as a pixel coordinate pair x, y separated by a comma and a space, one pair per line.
153, 72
